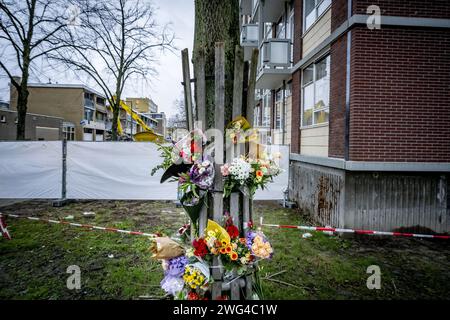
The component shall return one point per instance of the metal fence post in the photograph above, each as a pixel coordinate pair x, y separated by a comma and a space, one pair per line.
63, 200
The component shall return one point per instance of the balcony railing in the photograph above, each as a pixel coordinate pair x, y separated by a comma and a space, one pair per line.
276, 53
249, 35
274, 64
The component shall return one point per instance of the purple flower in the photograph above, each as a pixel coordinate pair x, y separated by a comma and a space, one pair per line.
202, 173
172, 285
175, 267
250, 236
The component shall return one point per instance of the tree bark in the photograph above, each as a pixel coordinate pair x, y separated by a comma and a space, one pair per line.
216, 21
22, 97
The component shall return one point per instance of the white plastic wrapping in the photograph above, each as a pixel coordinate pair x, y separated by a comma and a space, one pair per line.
30, 169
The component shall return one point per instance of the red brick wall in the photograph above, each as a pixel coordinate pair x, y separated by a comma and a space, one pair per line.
338, 72
338, 13
411, 8
295, 127
400, 95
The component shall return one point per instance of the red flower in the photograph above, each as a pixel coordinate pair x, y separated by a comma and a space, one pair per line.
233, 231
193, 296
224, 297
200, 248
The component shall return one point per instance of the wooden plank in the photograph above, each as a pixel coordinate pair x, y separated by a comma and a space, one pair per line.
219, 122
200, 91
248, 288
203, 220
187, 88
235, 290
238, 81
252, 86
234, 209
216, 290
246, 209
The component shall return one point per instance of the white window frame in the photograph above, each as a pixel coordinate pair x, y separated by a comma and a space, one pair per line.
278, 123
302, 93
316, 11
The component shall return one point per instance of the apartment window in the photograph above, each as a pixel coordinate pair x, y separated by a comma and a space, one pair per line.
316, 93
69, 132
101, 116
100, 101
89, 100
313, 10
278, 109
266, 109
88, 114
257, 116
3, 119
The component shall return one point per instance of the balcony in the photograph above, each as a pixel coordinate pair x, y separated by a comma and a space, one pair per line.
245, 7
249, 39
272, 10
275, 63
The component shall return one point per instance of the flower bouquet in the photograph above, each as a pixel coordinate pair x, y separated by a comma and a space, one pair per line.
251, 173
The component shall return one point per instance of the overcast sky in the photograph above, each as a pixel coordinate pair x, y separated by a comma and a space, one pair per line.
163, 89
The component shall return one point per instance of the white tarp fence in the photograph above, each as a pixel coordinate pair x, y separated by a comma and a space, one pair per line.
30, 170
97, 170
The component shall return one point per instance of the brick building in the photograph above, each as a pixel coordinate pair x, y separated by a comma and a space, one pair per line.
364, 106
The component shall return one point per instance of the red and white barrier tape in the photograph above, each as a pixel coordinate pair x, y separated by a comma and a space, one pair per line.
3, 228
85, 226
355, 231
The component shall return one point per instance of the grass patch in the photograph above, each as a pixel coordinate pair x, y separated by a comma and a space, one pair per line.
115, 266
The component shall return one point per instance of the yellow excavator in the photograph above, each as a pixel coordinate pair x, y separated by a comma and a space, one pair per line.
147, 135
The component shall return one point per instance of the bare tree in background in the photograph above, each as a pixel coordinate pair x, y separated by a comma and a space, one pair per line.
178, 120
28, 29
114, 41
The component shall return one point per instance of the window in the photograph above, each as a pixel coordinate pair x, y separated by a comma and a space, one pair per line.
316, 93
313, 10
257, 116
3, 119
100, 117
69, 132
100, 101
266, 109
278, 109
88, 114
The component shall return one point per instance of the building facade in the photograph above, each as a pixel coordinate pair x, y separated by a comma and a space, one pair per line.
361, 92
37, 126
83, 109
161, 126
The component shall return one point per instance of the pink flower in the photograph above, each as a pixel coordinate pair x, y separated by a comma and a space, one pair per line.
224, 170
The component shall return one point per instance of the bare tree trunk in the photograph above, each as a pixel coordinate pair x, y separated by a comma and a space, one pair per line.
22, 98
216, 21
114, 133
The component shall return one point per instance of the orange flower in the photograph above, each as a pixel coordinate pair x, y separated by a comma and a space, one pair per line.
222, 250
233, 256
259, 173
228, 249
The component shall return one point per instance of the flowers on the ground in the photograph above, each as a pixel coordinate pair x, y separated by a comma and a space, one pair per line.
258, 244
187, 272
196, 276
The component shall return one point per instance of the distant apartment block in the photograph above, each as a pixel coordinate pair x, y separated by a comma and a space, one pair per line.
83, 109
161, 126
142, 105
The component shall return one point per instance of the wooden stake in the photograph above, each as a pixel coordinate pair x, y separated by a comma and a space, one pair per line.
187, 89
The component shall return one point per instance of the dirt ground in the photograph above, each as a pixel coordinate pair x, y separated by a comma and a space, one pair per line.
115, 266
